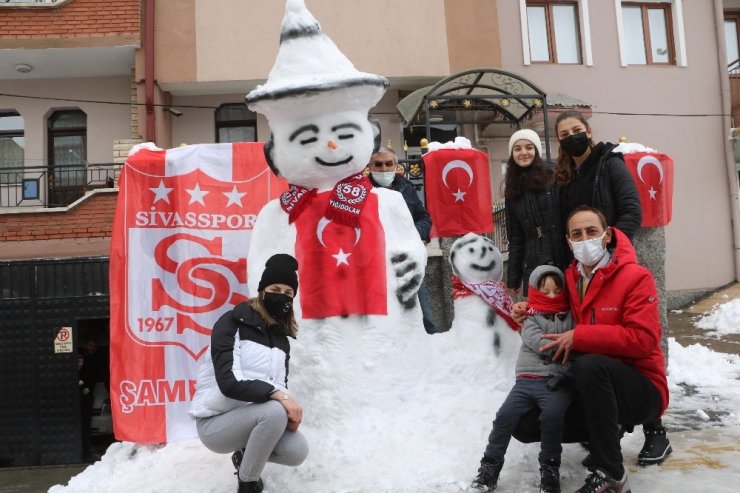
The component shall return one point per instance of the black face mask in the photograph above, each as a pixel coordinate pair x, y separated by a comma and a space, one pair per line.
277, 304
576, 144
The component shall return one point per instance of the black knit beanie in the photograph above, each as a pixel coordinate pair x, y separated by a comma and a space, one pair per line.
280, 269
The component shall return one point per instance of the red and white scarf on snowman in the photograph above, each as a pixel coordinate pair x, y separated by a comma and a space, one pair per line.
345, 203
492, 292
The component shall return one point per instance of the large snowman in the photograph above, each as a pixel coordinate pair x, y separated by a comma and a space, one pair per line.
360, 258
374, 385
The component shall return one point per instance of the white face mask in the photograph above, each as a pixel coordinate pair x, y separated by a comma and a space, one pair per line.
588, 252
384, 178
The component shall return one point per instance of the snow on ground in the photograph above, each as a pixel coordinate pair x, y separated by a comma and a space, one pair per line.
723, 319
704, 419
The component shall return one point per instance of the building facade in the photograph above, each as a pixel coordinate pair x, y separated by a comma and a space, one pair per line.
82, 81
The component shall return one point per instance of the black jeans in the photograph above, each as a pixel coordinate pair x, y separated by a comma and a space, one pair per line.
610, 394
527, 394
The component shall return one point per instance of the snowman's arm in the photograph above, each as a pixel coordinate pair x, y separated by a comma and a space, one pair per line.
271, 234
404, 248
532, 336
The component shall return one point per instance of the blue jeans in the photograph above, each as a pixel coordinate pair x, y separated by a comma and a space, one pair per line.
426, 308
527, 394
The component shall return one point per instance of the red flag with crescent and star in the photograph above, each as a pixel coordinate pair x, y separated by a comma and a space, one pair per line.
342, 268
653, 175
458, 192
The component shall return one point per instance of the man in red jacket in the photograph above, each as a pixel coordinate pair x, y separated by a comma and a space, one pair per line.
621, 376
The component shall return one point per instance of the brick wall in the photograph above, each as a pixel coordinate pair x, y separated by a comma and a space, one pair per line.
75, 19
92, 218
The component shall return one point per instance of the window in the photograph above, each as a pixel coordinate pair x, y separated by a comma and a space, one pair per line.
732, 40
553, 28
12, 145
648, 34
67, 142
235, 123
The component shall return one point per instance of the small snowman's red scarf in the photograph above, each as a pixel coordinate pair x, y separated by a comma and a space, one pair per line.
492, 292
344, 206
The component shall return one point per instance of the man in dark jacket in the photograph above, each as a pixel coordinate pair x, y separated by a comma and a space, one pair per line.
383, 165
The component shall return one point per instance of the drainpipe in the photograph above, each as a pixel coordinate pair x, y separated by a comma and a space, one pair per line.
719, 20
151, 134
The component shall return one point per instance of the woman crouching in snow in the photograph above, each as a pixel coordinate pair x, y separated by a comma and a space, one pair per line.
241, 404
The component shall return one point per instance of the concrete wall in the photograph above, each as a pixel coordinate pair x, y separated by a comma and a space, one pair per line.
236, 40
699, 239
105, 122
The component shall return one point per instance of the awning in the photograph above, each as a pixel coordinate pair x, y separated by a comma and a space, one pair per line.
474, 96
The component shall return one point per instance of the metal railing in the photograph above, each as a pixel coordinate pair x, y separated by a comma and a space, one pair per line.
733, 68
53, 186
499, 237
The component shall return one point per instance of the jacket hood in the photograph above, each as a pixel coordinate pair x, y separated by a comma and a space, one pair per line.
540, 271
622, 251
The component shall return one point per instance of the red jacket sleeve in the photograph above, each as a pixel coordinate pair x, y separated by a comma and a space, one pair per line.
630, 333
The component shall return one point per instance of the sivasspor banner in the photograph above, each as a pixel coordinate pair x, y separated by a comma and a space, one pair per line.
178, 261
653, 175
458, 192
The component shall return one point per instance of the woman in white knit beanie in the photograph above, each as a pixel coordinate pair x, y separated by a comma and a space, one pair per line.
532, 211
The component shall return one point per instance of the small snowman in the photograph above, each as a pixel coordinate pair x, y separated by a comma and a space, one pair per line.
481, 303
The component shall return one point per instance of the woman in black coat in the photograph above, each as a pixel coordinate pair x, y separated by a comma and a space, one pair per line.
591, 174
532, 213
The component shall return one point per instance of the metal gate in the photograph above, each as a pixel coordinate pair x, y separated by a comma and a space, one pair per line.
40, 407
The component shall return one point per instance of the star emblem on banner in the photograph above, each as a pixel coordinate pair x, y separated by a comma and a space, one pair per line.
235, 197
459, 195
161, 192
341, 257
652, 193
196, 195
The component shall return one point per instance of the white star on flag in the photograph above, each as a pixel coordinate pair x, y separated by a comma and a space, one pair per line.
459, 195
196, 194
341, 257
652, 193
234, 196
161, 193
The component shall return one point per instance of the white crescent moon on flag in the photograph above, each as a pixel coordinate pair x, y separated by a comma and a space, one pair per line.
644, 161
457, 163
321, 226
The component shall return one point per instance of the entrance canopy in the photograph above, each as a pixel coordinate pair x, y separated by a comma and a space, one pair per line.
479, 96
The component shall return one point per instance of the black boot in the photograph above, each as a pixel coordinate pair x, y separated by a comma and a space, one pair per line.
657, 446
550, 476
488, 473
236, 459
250, 486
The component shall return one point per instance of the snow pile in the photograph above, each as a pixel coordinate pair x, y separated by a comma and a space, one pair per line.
630, 147
458, 143
723, 319
703, 386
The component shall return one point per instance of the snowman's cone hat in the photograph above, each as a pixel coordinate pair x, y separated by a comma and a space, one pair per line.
308, 63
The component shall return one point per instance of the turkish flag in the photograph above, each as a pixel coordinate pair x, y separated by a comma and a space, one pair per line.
653, 175
458, 192
342, 268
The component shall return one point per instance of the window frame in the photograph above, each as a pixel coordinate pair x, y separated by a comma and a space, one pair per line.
219, 124
552, 48
666, 7
733, 15
12, 134
582, 24
674, 24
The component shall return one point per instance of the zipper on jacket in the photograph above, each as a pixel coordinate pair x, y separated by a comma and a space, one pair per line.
593, 316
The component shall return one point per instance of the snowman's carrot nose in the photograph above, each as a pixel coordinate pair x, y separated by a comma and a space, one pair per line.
332, 145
